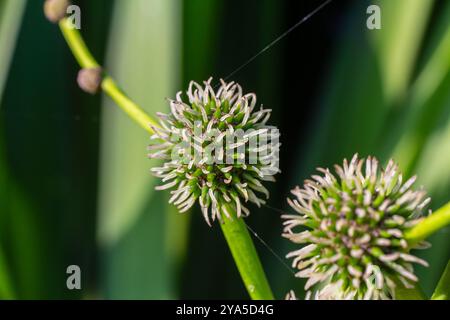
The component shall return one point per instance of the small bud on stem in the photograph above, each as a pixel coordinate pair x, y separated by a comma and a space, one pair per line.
55, 10
89, 79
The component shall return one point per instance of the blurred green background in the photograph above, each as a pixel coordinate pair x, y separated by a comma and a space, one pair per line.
75, 186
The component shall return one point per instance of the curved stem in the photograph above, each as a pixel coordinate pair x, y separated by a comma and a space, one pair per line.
86, 60
234, 229
77, 45
246, 258
442, 291
434, 222
127, 105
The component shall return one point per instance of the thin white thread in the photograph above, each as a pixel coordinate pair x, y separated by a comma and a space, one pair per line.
282, 36
270, 249
274, 209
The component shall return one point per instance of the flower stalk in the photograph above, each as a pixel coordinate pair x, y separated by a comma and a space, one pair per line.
127, 105
246, 258
434, 222
234, 229
108, 85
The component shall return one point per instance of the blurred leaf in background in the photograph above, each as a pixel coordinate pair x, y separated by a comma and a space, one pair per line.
427, 134
10, 18
13, 203
50, 159
144, 55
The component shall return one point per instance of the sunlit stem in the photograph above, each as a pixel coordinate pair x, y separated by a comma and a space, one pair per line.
246, 258
86, 60
434, 222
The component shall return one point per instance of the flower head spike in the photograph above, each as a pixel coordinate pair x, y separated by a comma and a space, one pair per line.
217, 149
356, 220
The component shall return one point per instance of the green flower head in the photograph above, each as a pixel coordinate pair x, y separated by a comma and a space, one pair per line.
355, 225
217, 149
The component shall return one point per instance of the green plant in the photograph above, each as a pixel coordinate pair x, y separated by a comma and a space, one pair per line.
429, 226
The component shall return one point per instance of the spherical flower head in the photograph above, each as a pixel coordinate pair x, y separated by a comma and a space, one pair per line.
217, 148
356, 221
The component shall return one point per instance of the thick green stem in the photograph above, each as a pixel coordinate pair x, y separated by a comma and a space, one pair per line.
246, 258
86, 60
235, 231
442, 291
436, 221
